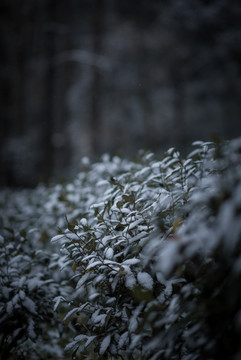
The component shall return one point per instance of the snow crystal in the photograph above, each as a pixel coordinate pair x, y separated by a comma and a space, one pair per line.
145, 280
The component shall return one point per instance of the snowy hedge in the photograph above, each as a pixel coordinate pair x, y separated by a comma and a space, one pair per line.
28, 327
144, 253
151, 249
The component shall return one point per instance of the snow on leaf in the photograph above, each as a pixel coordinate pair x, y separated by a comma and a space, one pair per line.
22, 281
145, 280
197, 143
72, 236
94, 264
72, 346
105, 344
130, 280
101, 204
15, 299
57, 300
83, 221
143, 171
125, 211
109, 253
99, 319
22, 294
70, 313
132, 261
102, 183
9, 307
33, 283
56, 238
31, 331
139, 235
90, 339
123, 339
133, 325
110, 262
82, 280
106, 239
135, 223
5, 292
29, 305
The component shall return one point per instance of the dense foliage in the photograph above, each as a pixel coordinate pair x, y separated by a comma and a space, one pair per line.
151, 252
28, 327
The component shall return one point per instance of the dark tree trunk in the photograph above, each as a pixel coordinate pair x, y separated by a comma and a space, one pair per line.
48, 120
95, 89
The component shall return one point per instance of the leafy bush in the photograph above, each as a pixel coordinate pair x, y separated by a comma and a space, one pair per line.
28, 327
200, 318
114, 282
152, 252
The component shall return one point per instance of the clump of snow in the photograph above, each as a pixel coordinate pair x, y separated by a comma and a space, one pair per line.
145, 280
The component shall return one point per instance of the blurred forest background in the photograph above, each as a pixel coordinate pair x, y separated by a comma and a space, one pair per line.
85, 77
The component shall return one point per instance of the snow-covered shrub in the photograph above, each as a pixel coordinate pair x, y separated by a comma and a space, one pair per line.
152, 252
28, 327
45, 208
197, 314
112, 280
